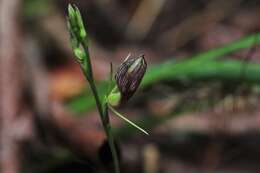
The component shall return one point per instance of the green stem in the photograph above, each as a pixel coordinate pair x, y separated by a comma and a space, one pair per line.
112, 146
111, 140
87, 65
102, 111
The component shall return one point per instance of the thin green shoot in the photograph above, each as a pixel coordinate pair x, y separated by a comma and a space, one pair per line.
127, 120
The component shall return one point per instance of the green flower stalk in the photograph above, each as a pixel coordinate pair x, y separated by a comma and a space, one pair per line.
128, 78
79, 43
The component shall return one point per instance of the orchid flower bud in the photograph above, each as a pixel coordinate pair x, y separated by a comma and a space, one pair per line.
129, 76
75, 23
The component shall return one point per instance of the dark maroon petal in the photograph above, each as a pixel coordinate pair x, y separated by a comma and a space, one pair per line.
129, 76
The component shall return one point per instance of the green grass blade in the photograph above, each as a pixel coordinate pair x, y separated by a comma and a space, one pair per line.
127, 120
202, 66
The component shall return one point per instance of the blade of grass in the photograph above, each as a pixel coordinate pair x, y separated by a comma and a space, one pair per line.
197, 67
127, 120
243, 43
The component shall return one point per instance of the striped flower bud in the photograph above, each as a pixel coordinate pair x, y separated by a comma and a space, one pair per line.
129, 76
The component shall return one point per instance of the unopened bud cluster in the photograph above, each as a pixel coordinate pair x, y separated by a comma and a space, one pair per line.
77, 32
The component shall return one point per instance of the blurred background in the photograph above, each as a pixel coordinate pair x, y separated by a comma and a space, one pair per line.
199, 99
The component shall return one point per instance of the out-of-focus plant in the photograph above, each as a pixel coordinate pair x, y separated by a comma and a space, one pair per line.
128, 78
214, 68
213, 65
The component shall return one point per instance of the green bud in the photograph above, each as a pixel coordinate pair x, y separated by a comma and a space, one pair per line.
71, 12
71, 18
82, 31
114, 98
76, 25
73, 40
78, 36
80, 54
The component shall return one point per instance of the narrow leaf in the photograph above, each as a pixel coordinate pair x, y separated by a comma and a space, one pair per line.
127, 120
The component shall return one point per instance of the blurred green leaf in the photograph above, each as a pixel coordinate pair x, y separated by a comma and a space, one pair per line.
199, 67
36, 8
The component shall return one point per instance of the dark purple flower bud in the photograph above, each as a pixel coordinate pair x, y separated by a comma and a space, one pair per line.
129, 76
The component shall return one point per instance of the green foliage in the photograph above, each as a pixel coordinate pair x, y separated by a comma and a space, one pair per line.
204, 66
